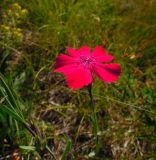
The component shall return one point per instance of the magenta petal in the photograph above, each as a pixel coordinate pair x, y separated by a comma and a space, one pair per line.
79, 78
72, 52
66, 68
107, 72
101, 55
85, 51
63, 59
76, 76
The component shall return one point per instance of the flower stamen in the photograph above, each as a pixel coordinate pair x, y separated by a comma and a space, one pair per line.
87, 61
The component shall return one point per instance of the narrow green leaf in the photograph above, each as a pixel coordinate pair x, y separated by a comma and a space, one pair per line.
10, 96
12, 113
29, 148
67, 149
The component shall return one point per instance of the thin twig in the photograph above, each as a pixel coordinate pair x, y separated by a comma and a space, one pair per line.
34, 135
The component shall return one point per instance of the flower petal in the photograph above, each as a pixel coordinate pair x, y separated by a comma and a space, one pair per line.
63, 60
79, 78
66, 68
85, 51
107, 72
101, 55
76, 76
72, 52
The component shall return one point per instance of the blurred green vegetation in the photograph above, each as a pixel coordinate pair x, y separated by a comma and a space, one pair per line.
33, 33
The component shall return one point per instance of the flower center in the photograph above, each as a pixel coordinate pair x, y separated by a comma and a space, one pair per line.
87, 61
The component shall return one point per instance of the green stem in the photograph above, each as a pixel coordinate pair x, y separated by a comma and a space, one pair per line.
94, 118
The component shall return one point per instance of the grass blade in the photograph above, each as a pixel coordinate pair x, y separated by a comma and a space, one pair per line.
67, 149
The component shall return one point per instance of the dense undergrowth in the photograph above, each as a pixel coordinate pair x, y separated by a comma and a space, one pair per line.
32, 34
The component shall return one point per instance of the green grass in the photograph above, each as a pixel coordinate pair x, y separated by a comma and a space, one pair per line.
125, 110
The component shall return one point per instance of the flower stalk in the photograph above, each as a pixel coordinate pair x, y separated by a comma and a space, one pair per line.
94, 118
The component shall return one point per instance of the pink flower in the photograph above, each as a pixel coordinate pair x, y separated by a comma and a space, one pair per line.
80, 64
